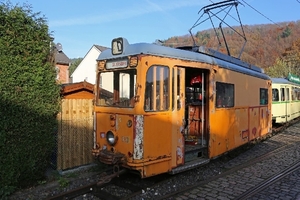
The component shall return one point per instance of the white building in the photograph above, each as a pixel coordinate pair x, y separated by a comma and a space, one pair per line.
86, 70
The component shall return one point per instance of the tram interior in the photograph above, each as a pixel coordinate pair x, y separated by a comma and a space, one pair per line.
196, 85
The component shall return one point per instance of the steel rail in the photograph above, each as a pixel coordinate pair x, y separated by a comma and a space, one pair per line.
258, 188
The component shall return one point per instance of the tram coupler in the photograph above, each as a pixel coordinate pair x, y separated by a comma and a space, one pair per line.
116, 173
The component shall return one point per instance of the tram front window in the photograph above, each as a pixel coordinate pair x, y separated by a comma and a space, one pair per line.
117, 88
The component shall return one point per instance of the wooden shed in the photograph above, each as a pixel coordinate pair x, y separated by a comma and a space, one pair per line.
75, 130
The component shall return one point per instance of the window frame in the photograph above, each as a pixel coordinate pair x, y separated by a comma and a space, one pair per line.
157, 76
114, 97
225, 93
263, 96
276, 98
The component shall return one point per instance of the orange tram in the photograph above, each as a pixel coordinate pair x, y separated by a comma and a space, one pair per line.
167, 110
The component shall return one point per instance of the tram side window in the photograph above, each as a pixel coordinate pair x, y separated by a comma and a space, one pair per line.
224, 95
263, 96
157, 89
287, 94
294, 93
282, 94
275, 95
176, 94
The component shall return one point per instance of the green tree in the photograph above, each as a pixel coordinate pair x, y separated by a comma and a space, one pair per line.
286, 33
29, 97
74, 64
278, 70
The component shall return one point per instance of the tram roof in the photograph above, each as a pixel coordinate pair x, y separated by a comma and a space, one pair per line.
283, 81
201, 54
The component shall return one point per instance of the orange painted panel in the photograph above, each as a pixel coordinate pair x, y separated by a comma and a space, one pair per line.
157, 134
228, 130
239, 128
265, 121
118, 125
254, 127
219, 128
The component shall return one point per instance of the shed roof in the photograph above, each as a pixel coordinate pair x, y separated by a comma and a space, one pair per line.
73, 87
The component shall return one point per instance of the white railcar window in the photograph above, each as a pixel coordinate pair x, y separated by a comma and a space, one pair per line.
282, 94
275, 94
294, 93
287, 94
298, 93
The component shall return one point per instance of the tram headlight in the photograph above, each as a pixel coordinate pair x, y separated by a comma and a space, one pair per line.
101, 65
133, 62
111, 138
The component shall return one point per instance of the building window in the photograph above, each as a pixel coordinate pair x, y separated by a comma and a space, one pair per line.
224, 95
57, 72
100, 84
263, 96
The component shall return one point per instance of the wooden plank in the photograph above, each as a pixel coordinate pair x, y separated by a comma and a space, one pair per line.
75, 133
59, 143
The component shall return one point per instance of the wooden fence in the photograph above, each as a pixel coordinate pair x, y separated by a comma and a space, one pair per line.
75, 133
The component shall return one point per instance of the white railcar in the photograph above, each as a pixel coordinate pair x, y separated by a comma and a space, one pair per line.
285, 99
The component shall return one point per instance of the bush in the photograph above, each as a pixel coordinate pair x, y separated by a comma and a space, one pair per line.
29, 97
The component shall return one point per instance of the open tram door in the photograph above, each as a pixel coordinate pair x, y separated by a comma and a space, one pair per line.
197, 109
191, 88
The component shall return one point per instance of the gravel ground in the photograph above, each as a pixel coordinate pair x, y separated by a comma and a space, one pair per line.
72, 179
59, 182
85, 175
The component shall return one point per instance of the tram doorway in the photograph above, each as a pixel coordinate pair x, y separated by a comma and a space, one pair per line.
196, 107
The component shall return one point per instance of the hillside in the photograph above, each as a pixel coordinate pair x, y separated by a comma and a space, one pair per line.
265, 42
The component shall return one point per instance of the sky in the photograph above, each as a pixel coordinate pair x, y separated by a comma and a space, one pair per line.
78, 25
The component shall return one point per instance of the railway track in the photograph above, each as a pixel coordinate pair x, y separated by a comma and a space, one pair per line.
112, 186
273, 179
289, 143
237, 168
130, 186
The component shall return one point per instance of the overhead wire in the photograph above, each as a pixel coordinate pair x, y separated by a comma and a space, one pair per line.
257, 12
261, 13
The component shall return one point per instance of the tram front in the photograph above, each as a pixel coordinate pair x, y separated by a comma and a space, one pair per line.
137, 111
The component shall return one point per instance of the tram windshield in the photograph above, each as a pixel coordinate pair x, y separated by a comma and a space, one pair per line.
117, 88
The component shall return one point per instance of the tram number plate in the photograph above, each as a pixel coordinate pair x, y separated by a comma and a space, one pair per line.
125, 139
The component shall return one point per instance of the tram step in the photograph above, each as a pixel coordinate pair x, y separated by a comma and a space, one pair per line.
190, 165
189, 148
194, 152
